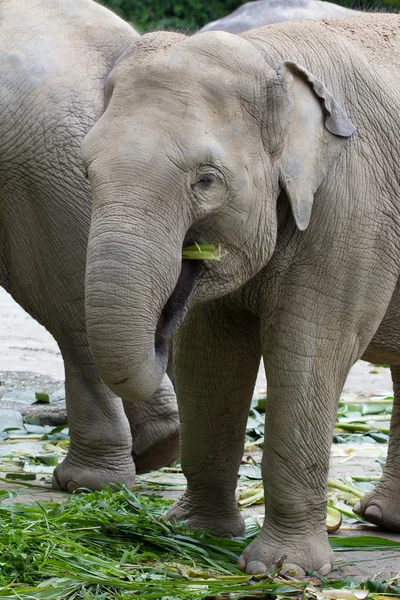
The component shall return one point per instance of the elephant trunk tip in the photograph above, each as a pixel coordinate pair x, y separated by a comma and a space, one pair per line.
133, 390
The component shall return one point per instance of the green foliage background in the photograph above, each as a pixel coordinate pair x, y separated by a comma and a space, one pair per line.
171, 14
189, 15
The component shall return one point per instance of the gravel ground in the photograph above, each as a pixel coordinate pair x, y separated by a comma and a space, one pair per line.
54, 413
11, 381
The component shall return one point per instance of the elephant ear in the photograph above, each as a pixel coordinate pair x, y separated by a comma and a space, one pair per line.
314, 130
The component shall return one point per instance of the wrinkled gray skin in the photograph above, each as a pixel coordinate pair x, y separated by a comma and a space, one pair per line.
265, 12
54, 59
219, 136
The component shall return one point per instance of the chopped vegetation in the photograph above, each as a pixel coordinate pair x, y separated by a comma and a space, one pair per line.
202, 251
358, 421
333, 519
114, 544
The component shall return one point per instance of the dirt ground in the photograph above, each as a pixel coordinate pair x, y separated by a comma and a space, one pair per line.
30, 359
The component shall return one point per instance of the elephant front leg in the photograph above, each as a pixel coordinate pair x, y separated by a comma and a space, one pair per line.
305, 376
382, 505
101, 444
217, 354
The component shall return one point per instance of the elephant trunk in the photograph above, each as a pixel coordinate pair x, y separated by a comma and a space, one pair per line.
137, 287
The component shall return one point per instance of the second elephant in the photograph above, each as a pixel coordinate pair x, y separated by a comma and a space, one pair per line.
55, 57
264, 12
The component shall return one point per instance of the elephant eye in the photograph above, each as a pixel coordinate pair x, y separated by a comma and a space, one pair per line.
206, 178
206, 181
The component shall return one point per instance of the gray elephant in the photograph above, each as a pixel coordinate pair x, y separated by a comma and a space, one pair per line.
265, 12
54, 59
250, 141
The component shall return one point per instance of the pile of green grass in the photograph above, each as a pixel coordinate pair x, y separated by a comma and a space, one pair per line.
114, 544
106, 544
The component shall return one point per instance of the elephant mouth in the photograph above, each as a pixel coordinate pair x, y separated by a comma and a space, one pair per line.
175, 308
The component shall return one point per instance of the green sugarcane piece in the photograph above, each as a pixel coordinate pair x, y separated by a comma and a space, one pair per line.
21, 476
251, 491
257, 497
365, 419
202, 252
333, 483
355, 428
385, 400
347, 513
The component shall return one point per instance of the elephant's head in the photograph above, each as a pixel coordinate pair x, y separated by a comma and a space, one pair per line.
198, 139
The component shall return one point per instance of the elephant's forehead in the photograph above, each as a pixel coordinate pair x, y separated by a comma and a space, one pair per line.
184, 72
220, 48
180, 92
216, 61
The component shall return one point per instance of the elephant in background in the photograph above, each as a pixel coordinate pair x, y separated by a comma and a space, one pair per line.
265, 12
281, 145
54, 60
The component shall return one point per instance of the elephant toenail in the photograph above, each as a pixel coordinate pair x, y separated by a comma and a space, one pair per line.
374, 512
72, 486
292, 570
241, 563
255, 567
325, 569
357, 508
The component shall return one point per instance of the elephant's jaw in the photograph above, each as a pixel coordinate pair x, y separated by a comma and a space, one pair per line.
174, 309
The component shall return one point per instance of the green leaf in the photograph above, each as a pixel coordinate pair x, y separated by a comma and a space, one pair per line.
365, 543
50, 458
10, 419
21, 476
35, 428
58, 395
41, 397
250, 471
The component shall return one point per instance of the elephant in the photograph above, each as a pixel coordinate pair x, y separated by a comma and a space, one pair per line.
55, 58
280, 145
264, 12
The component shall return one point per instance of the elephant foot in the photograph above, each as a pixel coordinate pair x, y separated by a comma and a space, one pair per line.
227, 523
288, 554
74, 477
381, 506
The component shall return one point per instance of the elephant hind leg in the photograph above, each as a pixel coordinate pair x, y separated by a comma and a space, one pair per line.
155, 429
382, 505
